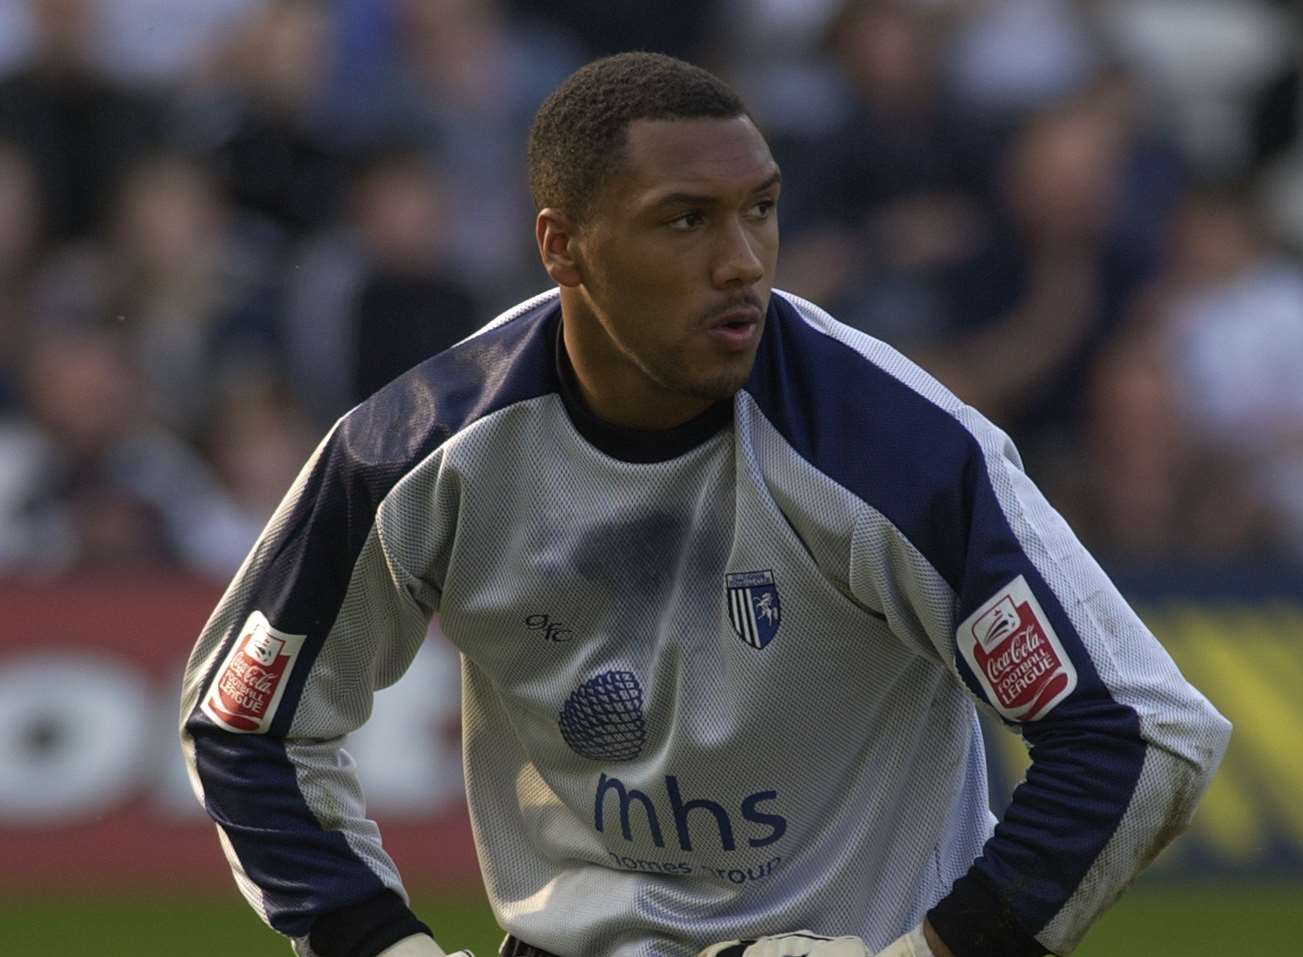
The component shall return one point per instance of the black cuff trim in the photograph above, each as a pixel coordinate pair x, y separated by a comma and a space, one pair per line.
974, 921
365, 928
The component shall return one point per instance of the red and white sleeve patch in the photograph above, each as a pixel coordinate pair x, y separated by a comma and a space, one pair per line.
251, 682
1019, 660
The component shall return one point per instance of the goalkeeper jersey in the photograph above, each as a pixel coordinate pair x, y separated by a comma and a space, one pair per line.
717, 681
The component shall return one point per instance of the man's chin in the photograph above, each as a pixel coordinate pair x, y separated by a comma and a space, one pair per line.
713, 381
719, 388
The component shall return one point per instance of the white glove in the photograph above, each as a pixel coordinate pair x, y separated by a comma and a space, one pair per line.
913, 944
419, 945
805, 944
801, 943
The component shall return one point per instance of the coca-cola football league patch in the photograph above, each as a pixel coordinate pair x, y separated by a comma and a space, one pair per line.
249, 685
1012, 648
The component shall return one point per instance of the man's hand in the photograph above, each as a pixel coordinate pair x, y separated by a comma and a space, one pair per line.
913, 944
802, 943
805, 944
419, 945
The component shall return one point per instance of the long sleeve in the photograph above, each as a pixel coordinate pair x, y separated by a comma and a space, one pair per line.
1122, 747
318, 617
957, 552
331, 605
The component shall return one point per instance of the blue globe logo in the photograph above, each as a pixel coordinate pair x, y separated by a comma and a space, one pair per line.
602, 719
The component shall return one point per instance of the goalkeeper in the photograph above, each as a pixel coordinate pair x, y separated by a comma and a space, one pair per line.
730, 582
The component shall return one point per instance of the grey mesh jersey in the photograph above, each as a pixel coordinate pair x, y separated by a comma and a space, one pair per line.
719, 681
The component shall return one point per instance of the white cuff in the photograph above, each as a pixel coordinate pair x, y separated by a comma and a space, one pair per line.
418, 945
913, 944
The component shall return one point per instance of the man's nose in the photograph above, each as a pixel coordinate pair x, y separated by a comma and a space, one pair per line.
739, 262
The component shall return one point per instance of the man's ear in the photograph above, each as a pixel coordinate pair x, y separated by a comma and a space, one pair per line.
558, 247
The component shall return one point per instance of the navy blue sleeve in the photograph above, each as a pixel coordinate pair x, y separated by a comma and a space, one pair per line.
319, 617
1000, 589
247, 682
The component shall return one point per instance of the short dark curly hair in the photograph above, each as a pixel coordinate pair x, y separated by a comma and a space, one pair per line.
578, 135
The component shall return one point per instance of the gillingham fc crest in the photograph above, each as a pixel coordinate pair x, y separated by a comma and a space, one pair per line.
753, 606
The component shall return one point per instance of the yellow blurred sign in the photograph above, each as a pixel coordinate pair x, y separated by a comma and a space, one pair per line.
1248, 660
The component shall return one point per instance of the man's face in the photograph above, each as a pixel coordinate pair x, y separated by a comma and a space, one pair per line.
677, 263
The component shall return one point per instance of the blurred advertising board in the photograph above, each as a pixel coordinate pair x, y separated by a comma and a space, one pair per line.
93, 791
1237, 635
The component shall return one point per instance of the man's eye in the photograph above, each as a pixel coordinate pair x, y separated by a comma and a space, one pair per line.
762, 209
687, 221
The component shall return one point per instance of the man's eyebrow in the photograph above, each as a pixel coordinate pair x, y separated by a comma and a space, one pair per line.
700, 199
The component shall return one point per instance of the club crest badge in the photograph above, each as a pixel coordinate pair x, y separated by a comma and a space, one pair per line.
753, 606
249, 685
1013, 650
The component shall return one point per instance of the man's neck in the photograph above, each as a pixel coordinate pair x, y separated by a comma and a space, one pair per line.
613, 389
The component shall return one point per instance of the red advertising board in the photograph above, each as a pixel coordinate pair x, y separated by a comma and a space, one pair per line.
92, 787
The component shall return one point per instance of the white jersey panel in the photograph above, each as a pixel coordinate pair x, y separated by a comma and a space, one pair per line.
1184, 734
650, 739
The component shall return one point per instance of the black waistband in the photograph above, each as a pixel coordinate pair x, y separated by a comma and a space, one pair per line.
514, 947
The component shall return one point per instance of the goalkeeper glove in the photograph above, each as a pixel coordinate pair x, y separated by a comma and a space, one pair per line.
802, 943
913, 944
805, 944
419, 945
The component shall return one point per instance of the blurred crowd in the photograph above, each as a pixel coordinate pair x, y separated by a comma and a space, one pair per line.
225, 222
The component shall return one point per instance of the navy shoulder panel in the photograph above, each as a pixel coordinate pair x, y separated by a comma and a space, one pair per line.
869, 432
382, 440
417, 412
250, 783
920, 467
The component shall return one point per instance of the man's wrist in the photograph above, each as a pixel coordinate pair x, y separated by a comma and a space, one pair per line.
935, 943
974, 920
417, 945
366, 928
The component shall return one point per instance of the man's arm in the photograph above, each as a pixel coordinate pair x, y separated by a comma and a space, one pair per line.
938, 946
319, 617
1122, 747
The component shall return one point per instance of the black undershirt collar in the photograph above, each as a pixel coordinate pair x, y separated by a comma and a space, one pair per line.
628, 444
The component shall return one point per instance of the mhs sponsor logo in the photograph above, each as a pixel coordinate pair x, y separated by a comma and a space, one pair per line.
688, 817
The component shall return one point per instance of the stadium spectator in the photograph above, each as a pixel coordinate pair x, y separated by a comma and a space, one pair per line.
1029, 313
1011, 57
378, 295
15, 36
1130, 495
259, 439
893, 192
911, 230
21, 227
775, 50
1277, 111
80, 126
182, 279
261, 117
154, 43
1278, 143
679, 29
1231, 333
1195, 445
1204, 62
90, 485
464, 80
161, 43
